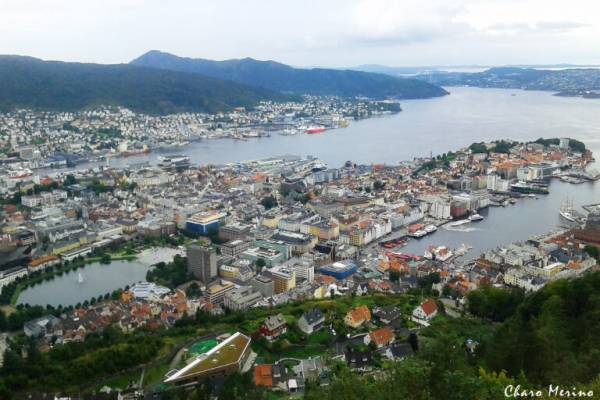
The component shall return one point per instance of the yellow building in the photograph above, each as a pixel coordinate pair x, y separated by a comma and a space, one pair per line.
64, 247
324, 231
283, 280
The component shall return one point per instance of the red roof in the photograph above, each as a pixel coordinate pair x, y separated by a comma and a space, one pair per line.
429, 307
382, 336
263, 375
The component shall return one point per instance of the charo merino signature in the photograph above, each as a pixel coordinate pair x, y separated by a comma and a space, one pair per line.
512, 391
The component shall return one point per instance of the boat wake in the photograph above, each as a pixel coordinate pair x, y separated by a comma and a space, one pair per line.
461, 229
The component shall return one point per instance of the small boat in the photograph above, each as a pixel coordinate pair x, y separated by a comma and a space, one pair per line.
430, 228
460, 222
418, 234
79, 278
475, 217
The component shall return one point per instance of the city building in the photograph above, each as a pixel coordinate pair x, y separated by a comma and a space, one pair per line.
215, 294
284, 279
202, 262
340, 269
264, 285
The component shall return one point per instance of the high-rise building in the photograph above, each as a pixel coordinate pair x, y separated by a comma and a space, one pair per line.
284, 279
202, 262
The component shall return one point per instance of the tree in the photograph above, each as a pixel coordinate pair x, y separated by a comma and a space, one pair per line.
260, 264
269, 202
378, 185
592, 251
478, 148
70, 180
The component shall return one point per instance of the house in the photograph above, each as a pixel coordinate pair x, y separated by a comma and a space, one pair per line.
387, 314
426, 311
359, 359
273, 327
311, 321
309, 369
381, 337
397, 351
357, 316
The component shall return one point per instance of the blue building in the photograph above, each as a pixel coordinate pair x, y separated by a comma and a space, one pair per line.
340, 270
204, 224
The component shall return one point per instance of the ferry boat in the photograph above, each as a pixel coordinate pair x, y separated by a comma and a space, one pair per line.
139, 152
522, 187
19, 173
475, 217
173, 161
311, 130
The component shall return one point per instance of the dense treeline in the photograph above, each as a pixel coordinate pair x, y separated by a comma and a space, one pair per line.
70, 366
50, 85
574, 144
280, 77
170, 274
494, 303
553, 336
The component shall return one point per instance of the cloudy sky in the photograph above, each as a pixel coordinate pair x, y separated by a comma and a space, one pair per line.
305, 33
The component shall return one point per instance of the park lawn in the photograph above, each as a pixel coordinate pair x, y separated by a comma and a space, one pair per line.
121, 381
155, 374
322, 337
250, 326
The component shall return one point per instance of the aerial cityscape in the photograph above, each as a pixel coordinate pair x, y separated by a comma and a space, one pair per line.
359, 219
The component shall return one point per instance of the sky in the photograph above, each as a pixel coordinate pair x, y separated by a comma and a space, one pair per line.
331, 33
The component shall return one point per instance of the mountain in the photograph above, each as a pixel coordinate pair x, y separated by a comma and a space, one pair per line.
280, 77
574, 81
28, 82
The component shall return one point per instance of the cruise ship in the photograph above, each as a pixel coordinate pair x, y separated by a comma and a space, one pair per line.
173, 161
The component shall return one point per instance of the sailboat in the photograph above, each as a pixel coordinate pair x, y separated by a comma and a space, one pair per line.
567, 211
79, 277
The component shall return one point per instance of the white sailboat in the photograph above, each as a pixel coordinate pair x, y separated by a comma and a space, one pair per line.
79, 277
567, 211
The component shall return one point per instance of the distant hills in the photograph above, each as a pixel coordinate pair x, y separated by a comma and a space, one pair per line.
27, 82
575, 81
284, 78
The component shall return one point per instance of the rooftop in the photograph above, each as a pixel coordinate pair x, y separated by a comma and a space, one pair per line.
227, 352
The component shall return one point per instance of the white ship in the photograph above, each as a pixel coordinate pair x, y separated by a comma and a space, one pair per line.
173, 161
418, 234
79, 277
475, 217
